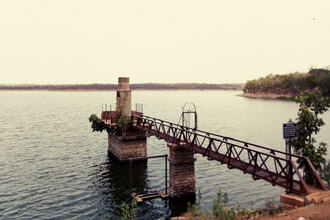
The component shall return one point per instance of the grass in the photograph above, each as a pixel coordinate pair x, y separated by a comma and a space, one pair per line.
222, 211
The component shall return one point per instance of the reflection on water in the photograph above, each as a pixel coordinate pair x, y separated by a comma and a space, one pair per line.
112, 179
179, 206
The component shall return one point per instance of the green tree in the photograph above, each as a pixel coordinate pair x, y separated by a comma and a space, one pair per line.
312, 105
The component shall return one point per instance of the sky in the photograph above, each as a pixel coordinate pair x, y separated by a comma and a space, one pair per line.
162, 41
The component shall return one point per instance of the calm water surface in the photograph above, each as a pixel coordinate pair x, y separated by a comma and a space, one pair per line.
54, 167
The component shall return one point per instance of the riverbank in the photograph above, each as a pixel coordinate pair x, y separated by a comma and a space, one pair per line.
319, 211
314, 211
267, 96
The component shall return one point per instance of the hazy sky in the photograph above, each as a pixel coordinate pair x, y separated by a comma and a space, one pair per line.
217, 41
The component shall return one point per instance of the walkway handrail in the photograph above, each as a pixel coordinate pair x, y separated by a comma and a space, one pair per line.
302, 181
229, 138
319, 181
223, 141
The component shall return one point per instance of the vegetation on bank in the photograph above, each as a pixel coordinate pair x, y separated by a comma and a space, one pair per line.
221, 210
288, 84
270, 211
141, 86
312, 104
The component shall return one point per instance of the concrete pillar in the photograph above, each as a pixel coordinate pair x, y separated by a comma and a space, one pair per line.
182, 172
124, 99
128, 146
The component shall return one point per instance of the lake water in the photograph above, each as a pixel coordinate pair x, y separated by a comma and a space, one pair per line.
54, 167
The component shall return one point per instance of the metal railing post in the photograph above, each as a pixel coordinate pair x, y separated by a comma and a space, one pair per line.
290, 176
130, 176
166, 174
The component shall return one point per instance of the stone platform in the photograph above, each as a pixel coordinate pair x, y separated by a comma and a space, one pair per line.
291, 200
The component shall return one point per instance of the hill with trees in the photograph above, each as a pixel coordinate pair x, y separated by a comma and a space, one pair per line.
289, 84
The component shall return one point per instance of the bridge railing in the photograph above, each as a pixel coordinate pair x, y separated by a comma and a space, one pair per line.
109, 118
261, 162
246, 144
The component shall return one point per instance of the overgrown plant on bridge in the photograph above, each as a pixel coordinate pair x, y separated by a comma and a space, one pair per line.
312, 105
99, 125
124, 122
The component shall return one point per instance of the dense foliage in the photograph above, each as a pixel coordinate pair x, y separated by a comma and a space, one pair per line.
311, 105
288, 84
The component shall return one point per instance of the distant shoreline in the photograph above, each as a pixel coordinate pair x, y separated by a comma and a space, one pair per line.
267, 96
113, 87
110, 90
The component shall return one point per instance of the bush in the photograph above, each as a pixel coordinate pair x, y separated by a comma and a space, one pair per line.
220, 209
97, 124
128, 211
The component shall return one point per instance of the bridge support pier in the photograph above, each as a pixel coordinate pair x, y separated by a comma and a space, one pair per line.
128, 146
182, 172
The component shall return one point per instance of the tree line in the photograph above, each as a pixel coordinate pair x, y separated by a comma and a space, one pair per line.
141, 86
290, 83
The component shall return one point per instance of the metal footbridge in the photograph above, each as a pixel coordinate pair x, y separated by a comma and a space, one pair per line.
260, 162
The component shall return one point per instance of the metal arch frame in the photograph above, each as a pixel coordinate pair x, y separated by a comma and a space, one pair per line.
190, 112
